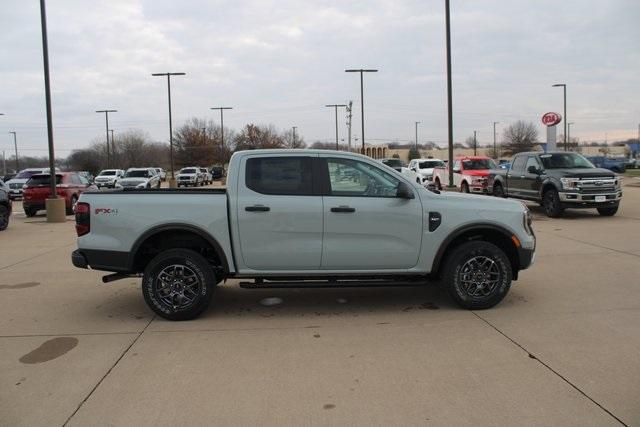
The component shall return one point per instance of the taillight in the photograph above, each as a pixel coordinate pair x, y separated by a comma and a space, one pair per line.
83, 218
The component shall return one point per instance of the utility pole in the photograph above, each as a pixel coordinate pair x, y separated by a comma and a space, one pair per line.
172, 180
569, 132
4, 164
221, 129
495, 147
475, 143
449, 92
294, 136
336, 108
361, 71
417, 123
15, 145
106, 118
350, 116
113, 147
565, 118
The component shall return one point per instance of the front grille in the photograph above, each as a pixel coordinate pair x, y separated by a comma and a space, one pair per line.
15, 186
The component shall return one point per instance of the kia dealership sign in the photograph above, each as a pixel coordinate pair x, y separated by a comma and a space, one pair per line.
551, 119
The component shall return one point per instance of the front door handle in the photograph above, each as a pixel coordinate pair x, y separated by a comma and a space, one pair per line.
257, 208
343, 209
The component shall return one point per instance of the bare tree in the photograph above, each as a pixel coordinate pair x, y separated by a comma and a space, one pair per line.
287, 137
520, 136
253, 137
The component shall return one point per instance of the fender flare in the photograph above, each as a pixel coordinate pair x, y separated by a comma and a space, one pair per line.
437, 260
548, 181
178, 227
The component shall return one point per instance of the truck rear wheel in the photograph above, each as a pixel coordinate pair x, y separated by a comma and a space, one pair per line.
551, 203
498, 191
608, 211
4, 217
178, 284
477, 275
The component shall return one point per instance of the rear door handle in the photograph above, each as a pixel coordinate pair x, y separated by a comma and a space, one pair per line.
343, 209
257, 208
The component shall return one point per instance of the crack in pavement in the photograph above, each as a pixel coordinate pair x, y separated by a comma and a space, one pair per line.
591, 244
36, 256
558, 374
126, 350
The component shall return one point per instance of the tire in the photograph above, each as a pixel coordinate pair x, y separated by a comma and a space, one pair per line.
467, 273
4, 217
464, 187
551, 203
195, 269
608, 211
498, 191
30, 212
71, 208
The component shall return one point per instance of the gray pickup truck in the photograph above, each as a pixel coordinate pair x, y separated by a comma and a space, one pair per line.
303, 218
558, 180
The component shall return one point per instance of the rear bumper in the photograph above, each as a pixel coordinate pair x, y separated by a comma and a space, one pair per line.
78, 259
33, 204
101, 260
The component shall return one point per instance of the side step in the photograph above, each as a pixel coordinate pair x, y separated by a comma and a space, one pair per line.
329, 284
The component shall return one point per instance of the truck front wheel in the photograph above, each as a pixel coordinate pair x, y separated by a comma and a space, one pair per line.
178, 284
464, 187
477, 275
498, 191
551, 203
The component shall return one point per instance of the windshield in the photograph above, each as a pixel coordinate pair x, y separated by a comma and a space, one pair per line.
188, 170
429, 164
26, 174
478, 164
103, 173
42, 180
394, 163
565, 161
137, 174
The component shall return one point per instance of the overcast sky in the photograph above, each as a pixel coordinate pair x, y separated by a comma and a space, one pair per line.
279, 62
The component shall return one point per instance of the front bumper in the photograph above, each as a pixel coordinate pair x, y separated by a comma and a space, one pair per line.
526, 257
15, 194
573, 199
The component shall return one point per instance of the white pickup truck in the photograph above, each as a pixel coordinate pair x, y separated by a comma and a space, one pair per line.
303, 218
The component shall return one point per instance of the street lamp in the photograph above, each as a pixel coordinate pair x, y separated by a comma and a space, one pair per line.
106, 118
495, 148
361, 71
336, 108
15, 145
449, 92
294, 136
221, 129
113, 147
172, 180
564, 89
569, 132
475, 143
417, 123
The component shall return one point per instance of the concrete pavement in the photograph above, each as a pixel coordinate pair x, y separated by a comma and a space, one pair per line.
562, 348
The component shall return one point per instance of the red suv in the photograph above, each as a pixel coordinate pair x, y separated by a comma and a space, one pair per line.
69, 185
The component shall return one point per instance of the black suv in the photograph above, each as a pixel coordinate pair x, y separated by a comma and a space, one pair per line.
558, 180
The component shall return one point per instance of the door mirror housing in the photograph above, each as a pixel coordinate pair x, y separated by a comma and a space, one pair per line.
404, 191
532, 169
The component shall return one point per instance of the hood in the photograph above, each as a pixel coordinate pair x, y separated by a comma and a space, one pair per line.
17, 181
581, 173
482, 203
479, 172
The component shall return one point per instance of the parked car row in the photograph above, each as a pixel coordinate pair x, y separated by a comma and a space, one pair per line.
194, 176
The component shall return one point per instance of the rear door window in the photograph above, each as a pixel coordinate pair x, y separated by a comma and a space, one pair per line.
518, 163
286, 176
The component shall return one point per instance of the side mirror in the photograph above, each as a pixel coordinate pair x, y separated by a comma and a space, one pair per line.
532, 169
404, 191
456, 170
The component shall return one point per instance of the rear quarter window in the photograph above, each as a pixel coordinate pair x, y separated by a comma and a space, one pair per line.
287, 176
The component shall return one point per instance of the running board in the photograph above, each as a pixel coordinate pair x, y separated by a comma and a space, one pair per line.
329, 284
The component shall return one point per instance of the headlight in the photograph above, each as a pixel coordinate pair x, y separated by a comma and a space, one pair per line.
527, 220
570, 183
141, 185
478, 180
117, 185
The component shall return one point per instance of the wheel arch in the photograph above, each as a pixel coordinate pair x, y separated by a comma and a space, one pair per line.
488, 232
168, 236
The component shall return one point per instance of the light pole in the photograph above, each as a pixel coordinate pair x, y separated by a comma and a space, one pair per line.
495, 148
449, 92
417, 123
569, 132
294, 136
475, 143
172, 180
336, 108
106, 118
361, 71
113, 147
564, 89
15, 145
221, 128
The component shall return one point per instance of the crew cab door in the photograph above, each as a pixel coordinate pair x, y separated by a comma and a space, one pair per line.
366, 226
279, 217
515, 176
530, 187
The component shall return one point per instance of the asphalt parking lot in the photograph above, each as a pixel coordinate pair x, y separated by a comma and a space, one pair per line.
562, 349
